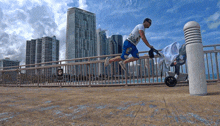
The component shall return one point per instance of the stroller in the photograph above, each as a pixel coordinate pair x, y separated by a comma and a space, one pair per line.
172, 56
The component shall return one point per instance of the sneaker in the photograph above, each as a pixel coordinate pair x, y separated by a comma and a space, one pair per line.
106, 62
122, 65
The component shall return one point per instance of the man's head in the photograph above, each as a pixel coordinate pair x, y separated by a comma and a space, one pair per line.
147, 22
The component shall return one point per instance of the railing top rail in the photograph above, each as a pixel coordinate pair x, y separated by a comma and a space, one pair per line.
211, 45
59, 65
211, 51
61, 62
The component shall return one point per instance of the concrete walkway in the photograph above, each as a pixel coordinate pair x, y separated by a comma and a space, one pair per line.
109, 106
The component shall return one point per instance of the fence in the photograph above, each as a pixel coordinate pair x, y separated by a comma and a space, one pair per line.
90, 71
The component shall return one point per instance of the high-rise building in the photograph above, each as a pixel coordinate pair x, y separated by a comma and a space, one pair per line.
119, 40
102, 42
80, 34
80, 37
30, 52
115, 47
6, 64
102, 48
115, 44
42, 50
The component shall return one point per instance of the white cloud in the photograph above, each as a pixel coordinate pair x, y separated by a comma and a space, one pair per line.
183, 21
174, 9
210, 34
1, 14
179, 3
214, 20
125, 37
30, 19
121, 7
124, 11
214, 25
214, 17
83, 5
107, 34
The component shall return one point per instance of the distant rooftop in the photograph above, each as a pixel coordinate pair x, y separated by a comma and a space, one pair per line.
80, 10
42, 38
8, 59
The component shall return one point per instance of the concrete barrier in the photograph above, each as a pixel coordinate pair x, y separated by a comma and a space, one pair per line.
195, 59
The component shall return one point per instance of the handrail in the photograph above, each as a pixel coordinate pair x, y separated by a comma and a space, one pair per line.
93, 57
211, 45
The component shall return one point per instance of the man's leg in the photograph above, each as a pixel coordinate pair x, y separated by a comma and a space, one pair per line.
117, 58
122, 63
124, 55
130, 60
135, 57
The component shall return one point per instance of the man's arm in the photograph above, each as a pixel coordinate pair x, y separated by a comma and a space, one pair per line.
144, 38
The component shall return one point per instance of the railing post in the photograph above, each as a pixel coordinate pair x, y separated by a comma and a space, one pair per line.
3, 82
2, 79
89, 73
217, 67
63, 77
89, 76
19, 74
38, 78
18, 77
126, 78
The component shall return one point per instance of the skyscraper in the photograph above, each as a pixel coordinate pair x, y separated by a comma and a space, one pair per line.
80, 37
115, 47
102, 48
41, 50
118, 39
102, 43
80, 34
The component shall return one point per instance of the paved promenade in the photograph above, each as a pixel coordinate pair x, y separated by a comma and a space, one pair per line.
157, 105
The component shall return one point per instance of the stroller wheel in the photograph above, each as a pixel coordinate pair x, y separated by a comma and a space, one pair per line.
170, 81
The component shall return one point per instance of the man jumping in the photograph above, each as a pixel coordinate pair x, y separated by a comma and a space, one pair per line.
129, 46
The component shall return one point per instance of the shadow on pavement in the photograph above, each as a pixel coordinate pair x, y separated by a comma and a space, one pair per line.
214, 93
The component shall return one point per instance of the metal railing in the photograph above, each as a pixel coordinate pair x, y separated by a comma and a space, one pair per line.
90, 71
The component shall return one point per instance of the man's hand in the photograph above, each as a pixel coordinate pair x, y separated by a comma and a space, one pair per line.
156, 51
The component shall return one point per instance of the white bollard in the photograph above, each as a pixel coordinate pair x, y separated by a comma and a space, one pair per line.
195, 59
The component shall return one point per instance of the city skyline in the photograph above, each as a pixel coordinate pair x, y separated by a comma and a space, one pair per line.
24, 20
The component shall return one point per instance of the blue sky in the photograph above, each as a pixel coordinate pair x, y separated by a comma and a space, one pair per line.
22, 20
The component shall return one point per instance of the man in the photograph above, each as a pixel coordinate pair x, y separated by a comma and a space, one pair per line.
129, 46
